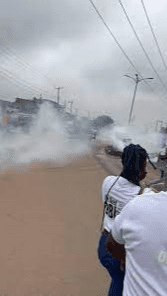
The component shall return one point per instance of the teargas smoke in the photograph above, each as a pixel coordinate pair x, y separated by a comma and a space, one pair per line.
121, 136
52, 140
47, 141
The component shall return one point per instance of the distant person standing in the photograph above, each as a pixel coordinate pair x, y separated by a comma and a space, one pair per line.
163, 138
162, 156
116, 193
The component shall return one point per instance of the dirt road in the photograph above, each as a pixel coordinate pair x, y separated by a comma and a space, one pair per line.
49, 224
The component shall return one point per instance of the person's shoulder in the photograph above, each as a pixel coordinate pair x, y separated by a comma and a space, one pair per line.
109, 180
106, 179
148, 190
144, 199
107, 183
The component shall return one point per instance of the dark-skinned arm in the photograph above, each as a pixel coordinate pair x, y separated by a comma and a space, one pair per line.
117, 250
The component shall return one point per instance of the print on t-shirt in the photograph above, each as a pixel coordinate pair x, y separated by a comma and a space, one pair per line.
112, 207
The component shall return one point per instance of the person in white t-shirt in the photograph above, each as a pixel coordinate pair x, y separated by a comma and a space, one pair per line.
116, 193
142, 228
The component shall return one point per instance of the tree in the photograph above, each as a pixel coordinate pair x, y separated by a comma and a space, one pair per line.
102, 121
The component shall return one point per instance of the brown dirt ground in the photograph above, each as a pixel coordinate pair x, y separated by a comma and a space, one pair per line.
49, 223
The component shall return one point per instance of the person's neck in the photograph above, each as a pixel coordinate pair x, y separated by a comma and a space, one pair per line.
130, 178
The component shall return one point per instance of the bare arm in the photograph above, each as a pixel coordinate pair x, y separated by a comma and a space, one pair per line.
116, 250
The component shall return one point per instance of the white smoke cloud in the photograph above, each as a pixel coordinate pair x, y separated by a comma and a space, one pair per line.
119, 136
46, 142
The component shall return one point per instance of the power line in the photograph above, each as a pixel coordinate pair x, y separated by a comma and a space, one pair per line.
15, 77
109, 30
4, 96
23, 63
18, 81
124, 10
155, 39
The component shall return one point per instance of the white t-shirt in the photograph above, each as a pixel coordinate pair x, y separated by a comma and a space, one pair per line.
121, 193
142, 228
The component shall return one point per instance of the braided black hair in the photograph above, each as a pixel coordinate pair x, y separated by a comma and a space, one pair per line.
133, 158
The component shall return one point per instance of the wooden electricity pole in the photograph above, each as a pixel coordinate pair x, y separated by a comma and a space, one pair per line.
58, 93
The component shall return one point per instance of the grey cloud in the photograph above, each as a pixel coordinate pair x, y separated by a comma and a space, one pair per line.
81, 50
32, 22
107, 76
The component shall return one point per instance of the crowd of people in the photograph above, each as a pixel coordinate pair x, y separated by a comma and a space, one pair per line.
133, 242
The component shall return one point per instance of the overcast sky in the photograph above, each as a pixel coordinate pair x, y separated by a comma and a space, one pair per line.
45, 44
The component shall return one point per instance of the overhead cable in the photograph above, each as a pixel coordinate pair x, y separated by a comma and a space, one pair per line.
9, 53
105, 24
124, 10
109, 30
155, 39
18, 81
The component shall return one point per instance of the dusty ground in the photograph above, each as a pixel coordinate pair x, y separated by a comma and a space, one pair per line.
49, 224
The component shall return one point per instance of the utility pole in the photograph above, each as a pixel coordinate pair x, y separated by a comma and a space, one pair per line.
65, 105
58, 93
71, 104
137, 80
